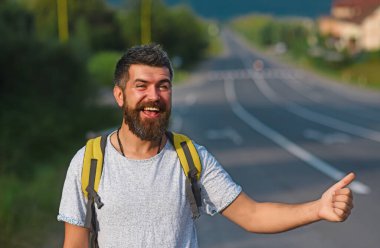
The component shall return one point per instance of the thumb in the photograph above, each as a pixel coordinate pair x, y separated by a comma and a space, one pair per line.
344, 182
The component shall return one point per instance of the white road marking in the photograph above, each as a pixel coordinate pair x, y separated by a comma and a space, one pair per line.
297, 86
226, 133
286, 144
243, 74
184, 106
191, 99
334, 123
186, 103
264, 87
327, 139
318, 97
307, 114
313, 116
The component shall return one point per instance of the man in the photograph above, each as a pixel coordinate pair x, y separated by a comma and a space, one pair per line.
143, 185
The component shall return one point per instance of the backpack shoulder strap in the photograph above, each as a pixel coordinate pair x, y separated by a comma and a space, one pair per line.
94, 151
91, 173
187, 153
192, 167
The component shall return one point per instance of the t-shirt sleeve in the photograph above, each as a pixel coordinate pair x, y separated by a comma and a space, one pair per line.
72, 208
218, 190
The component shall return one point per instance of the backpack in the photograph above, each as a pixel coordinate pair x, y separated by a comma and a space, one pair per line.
93, 167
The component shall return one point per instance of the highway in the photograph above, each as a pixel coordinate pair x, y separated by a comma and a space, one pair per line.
284, 135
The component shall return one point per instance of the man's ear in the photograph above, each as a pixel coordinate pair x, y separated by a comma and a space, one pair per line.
119, 96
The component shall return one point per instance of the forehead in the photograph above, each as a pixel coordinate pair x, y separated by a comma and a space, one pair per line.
149, 73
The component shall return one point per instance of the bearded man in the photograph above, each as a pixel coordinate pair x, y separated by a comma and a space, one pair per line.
143, 186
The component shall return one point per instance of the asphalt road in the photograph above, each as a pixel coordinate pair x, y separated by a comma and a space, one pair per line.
284, 135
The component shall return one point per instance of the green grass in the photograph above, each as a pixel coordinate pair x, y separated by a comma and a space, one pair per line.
365, 74
28, 207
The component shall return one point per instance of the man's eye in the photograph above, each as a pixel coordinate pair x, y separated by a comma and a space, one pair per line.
164, 87
140, 86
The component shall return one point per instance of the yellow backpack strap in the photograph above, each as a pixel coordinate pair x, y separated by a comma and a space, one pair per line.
93, 160
91, 173
191, 165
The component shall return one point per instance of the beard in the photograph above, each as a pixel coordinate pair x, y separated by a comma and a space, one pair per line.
148, 129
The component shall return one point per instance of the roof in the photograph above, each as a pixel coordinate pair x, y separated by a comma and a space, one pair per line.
355, 3
363, 8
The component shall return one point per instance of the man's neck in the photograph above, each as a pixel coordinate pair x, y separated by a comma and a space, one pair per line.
133, 147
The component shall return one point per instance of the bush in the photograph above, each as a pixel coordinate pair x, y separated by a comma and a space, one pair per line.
101, 67
44, 88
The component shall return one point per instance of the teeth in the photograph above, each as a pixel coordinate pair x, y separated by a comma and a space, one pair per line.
151, 109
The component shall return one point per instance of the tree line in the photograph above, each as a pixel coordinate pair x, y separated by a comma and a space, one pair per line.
44, 83
48, 90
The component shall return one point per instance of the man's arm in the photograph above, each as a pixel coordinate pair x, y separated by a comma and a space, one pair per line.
334, 205
75, 236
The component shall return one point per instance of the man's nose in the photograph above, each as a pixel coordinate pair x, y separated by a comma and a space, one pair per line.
153, 93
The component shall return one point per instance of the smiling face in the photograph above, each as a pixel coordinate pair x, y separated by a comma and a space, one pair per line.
146, 101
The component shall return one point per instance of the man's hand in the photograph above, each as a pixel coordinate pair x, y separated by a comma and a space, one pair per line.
336, 203
267, 217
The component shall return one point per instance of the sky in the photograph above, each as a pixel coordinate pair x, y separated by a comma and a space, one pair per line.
227, 9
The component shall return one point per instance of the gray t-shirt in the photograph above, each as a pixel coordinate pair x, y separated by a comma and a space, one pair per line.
145, 204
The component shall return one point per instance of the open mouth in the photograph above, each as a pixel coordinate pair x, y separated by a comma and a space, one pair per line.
153, 109
151, 112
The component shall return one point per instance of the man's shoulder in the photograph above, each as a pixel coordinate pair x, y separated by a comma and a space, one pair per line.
202, 150
77, 161
78, 156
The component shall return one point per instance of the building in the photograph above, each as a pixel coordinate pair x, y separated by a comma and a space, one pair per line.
354, 24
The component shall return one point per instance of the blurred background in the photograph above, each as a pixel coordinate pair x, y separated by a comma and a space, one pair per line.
57, 59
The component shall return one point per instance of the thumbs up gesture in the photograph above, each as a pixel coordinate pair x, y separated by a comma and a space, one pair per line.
336, 203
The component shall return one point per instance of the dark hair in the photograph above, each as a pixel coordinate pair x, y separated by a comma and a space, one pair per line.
151, 55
